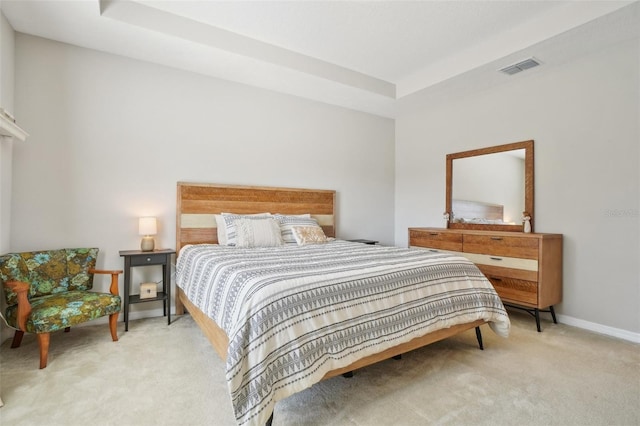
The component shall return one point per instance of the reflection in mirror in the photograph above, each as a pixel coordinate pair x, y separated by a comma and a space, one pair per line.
489, 189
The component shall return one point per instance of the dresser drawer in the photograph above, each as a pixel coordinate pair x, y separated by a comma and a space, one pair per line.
500, 245
438, 240
500, 271
502, 261
514, 290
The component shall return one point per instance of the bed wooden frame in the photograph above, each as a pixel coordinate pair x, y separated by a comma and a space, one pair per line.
197, 203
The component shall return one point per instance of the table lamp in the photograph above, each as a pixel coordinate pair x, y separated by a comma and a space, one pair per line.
147, 227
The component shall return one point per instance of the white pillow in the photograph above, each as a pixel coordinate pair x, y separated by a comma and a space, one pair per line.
288, 222
221, 229
309, 235
258, 232
230, 227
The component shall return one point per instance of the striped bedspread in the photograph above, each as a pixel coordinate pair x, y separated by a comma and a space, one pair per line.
294, 313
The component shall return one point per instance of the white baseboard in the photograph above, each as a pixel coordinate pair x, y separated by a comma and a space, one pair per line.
599, 328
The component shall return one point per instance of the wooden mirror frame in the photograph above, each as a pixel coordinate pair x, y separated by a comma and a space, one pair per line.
528, 185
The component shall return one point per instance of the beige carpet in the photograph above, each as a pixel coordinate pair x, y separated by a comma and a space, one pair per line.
169, 375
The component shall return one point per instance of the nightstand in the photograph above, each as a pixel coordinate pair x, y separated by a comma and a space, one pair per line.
133, 258
370, 242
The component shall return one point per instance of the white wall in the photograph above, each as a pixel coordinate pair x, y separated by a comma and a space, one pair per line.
111, 137
7, 40
584, 118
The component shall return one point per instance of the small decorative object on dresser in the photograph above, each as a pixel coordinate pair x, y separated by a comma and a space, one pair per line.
526, 219
525, 269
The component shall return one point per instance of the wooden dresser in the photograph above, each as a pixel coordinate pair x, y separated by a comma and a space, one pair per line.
525, 269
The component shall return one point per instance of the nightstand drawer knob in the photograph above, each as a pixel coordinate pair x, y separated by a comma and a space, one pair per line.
148, 259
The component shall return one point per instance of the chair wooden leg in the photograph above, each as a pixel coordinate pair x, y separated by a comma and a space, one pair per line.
17, 339
43, 341
113, 326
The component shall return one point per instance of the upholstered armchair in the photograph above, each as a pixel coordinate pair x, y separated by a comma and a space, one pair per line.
47, 291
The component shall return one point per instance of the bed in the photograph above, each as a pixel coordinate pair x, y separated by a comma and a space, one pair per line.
465, 211
286, 317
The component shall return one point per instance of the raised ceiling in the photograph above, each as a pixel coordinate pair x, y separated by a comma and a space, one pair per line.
372, 56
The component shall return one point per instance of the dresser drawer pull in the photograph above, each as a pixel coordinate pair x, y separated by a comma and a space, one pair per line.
496, 238
148, 259
495, 258
434, 234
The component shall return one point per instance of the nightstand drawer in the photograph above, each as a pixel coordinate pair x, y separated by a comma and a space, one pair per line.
149, 259
500, 245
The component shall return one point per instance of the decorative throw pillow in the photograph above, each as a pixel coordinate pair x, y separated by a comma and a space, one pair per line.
260, 232
230, 226
287, 222
309, 235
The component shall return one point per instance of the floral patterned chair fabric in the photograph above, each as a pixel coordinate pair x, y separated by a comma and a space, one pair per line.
48, 291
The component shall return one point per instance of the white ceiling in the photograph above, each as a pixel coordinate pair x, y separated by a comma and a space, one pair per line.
372, 56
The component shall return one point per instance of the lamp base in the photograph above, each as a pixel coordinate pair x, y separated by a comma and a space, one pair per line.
147, 244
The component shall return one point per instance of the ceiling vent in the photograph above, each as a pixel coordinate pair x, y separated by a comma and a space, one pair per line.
520, 66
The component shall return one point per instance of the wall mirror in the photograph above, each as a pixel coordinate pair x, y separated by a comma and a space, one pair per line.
490, 188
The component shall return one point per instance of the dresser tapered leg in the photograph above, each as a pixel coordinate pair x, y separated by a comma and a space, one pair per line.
479, 337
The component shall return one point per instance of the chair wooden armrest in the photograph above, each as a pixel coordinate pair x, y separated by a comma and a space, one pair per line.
21, 289
113, 289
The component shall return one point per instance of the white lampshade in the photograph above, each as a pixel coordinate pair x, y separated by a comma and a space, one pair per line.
147, 226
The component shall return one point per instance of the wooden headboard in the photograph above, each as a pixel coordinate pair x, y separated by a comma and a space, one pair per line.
197, 203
